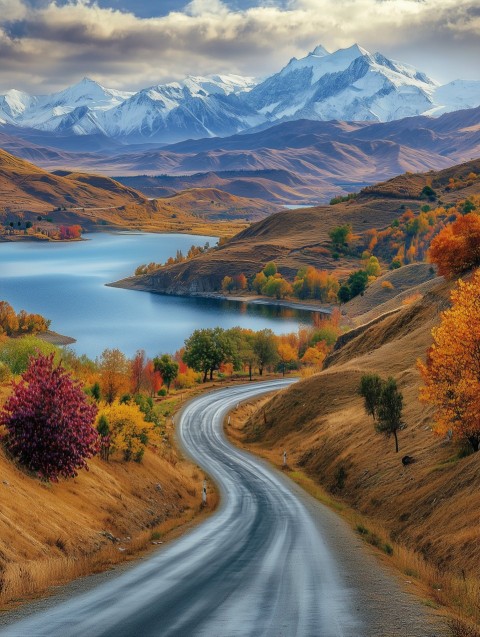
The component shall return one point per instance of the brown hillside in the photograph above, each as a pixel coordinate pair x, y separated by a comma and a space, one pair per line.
212, 203
52, 533
410, 185
25, 187
95, 201
296, 238
276, 186
430, 506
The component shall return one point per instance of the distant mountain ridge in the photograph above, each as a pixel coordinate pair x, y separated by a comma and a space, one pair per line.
349, 84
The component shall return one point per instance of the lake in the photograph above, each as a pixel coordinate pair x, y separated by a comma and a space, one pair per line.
66, 283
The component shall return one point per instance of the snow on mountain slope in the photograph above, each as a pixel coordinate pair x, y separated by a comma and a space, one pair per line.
72, 109
196, 107
349, 84
455, 96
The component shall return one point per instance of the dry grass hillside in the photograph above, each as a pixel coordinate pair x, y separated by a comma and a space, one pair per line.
276, 186
25, 187
429, 509
95, 201
215, 204
392, 291
297, 238
51, 533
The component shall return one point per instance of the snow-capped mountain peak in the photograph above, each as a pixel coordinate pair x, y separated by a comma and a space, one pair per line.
319, 51
348, 84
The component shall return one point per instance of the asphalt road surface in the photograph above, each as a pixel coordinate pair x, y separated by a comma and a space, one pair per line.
270, 562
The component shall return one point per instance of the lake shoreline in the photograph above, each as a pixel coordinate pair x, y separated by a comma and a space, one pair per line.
54, 338
129, 283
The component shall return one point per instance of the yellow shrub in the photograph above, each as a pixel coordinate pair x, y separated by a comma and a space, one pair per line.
411, 299
387, 285
129, 431
186, 380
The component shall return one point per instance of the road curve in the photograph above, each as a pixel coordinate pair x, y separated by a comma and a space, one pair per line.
270, 562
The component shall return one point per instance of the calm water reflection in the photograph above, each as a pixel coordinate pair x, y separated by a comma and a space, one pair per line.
66, 283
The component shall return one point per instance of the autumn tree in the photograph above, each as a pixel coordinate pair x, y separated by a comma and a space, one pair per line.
265, 348
258, 282
114, 370
456, 248
153, 379
49, 421
240, 281
167, 368
227, 284
8, 319
278, 287
315, 355
31, 323
137, 375
389, 410
451, 373
372, 267
286, 354
129, 432
270, 269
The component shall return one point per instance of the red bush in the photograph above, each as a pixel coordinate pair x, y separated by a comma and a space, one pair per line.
49, 421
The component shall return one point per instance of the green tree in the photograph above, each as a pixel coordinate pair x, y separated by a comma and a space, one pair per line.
357, 282
340, 235
207, 349
370, 389
389, 411
16, 352
258, 282
244, 348
277, 287
103, 429
372, 267
95, 391
344, 293
167, 367
265, 347
270, 269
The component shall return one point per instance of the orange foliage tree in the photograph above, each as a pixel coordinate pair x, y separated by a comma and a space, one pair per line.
451, 372
287, 354
114, 369
456, 248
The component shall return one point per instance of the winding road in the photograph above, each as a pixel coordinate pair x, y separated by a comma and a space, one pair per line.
270, 562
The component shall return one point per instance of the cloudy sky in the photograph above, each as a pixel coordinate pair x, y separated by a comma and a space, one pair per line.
46, 45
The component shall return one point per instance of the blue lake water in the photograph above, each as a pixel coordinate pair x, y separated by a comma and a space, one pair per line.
66, 283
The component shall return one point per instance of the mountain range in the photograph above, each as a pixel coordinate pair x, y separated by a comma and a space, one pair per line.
349, 84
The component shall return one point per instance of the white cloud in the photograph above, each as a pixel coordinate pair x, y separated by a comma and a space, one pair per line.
54, 45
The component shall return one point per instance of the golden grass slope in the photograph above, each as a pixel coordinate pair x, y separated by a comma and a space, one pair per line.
431, 508
25, 187
50, 533
298, 238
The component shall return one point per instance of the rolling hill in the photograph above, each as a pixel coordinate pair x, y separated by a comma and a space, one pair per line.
295, 162
298, 238
25, 187
425, 514
95, 201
